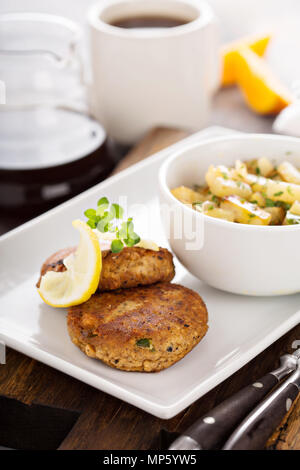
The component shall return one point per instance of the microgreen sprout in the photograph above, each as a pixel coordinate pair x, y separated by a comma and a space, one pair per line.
109, 218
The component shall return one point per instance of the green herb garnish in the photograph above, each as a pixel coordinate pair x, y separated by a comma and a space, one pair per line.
270, 203
108, 218
197, 206
279, 193
197, 203
145, 343
293, 221
117, 246
257, 170
282, 204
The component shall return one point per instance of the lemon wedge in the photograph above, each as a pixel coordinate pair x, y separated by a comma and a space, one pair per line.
81, 278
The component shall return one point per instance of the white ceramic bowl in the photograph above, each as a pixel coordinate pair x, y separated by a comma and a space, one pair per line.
243, 259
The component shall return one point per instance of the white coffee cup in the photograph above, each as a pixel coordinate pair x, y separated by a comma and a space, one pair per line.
144, 77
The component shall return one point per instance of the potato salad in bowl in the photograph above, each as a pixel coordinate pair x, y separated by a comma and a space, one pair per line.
254, 192
243, 193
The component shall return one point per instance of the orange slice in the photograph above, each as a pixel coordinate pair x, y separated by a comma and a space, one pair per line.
261, 89
257, 44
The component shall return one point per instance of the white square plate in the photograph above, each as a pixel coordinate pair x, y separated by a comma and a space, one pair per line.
239, 327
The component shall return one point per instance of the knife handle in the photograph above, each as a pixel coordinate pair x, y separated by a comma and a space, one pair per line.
254, 431
212, 430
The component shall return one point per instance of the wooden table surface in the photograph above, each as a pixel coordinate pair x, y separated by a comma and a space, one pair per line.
108, 423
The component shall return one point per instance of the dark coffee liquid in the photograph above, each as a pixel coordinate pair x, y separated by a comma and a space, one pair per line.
149, 22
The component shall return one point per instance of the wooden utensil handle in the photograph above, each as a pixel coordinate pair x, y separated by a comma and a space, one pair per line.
212, 430
254, 431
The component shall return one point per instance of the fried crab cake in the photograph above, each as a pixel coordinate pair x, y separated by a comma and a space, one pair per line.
130, 267
140, 329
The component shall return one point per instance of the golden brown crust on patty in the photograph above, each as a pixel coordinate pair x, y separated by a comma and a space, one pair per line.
135, 267
169, 319
130, 268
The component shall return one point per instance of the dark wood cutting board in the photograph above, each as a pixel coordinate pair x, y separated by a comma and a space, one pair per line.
108, 423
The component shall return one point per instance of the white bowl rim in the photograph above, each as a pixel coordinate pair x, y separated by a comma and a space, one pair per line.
213, 220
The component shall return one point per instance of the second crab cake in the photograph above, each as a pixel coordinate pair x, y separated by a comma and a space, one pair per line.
139, 329
130, 267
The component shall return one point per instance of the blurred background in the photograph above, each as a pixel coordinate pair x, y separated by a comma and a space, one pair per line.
22, 189
237, 18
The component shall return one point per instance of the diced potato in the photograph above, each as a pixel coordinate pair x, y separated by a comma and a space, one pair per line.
240, 171
204, 206
264, 167
224, 171
291, 219
220, 170
295, 209
251, 192
275, 190
187, 195
260, 167
257, 198
276, 178
219, 213
222, 186
277, 215
200, 189
289, 172
207, 194
251, 166
212, 197
208, 206
244, 212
